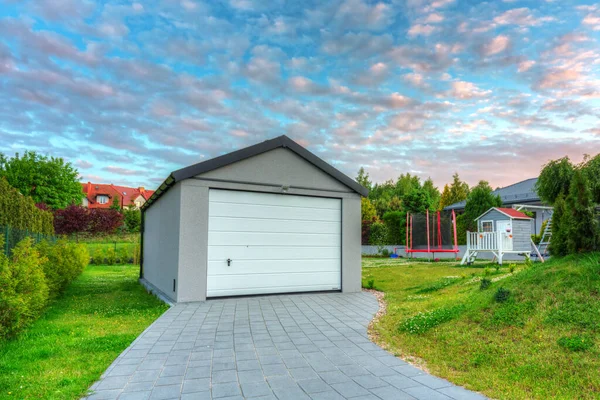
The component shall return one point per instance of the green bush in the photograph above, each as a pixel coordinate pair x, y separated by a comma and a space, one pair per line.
484, 284
576, 342
24, 291
385, 252
110, 256
98, 256
64, 262
123, 255
20, 212
501, 295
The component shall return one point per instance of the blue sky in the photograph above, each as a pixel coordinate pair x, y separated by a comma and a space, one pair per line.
131, 91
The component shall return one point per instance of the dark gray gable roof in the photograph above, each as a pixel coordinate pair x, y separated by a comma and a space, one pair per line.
520, 192
239, 155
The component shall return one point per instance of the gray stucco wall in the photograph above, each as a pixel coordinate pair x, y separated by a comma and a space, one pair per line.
265, 173
161, 242
281, 167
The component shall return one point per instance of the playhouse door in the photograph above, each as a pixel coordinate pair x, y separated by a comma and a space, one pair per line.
506, 234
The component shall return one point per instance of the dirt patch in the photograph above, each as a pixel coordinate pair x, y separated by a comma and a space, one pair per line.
376, 338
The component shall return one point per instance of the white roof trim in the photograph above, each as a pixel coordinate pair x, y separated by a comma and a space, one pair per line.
501, 212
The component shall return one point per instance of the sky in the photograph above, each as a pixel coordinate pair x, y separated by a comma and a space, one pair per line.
130, 91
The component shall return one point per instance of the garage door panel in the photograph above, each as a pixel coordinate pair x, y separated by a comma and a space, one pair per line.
277, 243
266, 252
233, 224
283, 266
279, 200
273, 212
273, 239
272, 283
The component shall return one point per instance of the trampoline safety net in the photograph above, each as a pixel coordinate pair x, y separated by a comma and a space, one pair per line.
431, 232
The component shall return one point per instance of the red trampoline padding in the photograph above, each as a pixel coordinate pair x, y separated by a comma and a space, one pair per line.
433, 251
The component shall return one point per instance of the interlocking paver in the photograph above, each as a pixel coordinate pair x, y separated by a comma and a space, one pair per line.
309, 346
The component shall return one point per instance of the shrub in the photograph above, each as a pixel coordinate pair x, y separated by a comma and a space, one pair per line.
104, 221
385, 252
123, 255
576, 342
20, 212
378, 235
64, 261
501, 295
484, 284
395, 222
110, 256
24, 291
98, 256
424, 321
71, 220
132, 220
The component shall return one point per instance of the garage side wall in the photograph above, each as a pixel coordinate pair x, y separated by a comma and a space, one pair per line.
351, 241
161, 242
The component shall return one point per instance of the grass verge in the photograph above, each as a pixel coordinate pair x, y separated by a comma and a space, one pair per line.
533, 334
79, 335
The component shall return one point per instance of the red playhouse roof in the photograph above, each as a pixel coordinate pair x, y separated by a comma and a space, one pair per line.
509, 212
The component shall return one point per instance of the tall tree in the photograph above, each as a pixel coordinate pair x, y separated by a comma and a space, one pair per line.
363, 179
406, 183
591, 169
417, 201
582, 226
368, 210
47, 180
479, 201
434, 193
457, 191
555, 178
560, 220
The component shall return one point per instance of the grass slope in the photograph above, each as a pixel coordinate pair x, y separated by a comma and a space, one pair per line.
542, 342
78, 337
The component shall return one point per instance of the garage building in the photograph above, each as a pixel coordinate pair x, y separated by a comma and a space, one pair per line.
269, 218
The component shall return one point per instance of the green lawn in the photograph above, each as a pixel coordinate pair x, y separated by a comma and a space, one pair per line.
78, 337
541, 342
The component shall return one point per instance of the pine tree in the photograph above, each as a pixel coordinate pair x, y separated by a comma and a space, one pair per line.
582, 225
558, 243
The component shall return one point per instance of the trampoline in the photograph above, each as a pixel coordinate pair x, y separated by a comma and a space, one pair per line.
432, 232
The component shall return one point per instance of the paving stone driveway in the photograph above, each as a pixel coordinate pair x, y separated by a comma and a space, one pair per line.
273, 347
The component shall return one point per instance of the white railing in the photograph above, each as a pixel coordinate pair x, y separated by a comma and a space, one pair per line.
483, 241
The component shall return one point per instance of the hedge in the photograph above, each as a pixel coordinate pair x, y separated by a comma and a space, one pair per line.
20, 212
32, 276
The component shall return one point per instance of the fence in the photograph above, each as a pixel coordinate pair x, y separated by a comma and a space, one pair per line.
12, 236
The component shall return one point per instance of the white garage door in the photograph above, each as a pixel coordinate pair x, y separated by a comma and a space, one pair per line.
276, 243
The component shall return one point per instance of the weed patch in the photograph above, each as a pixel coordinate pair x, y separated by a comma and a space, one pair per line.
424, 321
576, 342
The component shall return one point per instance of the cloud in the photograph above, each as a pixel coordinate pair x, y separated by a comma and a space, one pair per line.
466, 90
522, 17
122, 171
356, 44
525, 65
592, 21
421, 30
496, 45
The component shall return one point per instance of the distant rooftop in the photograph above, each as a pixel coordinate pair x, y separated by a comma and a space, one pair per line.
517, 193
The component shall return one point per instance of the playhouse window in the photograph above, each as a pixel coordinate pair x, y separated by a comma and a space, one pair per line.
487, 226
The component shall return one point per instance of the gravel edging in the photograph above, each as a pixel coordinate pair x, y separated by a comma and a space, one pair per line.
376, 338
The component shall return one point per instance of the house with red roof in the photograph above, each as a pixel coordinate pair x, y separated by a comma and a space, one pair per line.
102, 195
